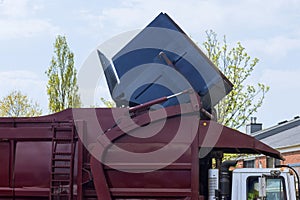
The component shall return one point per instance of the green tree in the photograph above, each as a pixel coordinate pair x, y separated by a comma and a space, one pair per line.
17, 104
244, 100
107, 103
62, 86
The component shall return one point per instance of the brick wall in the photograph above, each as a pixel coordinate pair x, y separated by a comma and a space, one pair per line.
261, 161
290, 158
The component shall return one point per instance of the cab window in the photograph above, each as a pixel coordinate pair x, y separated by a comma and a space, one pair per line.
275, 188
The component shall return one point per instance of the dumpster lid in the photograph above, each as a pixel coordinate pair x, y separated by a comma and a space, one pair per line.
160, 61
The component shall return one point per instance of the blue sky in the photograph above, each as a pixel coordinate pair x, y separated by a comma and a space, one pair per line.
269, 30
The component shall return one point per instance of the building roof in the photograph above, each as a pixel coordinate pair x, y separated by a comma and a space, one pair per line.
284, 135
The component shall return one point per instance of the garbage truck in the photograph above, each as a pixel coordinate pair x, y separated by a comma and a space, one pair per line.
160, 142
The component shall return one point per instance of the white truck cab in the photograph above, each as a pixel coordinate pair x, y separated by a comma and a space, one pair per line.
277, 184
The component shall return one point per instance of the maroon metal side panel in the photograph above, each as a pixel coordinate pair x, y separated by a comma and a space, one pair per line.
125, 178
180, 179
5, 171
32, 165
25, 157
4, 166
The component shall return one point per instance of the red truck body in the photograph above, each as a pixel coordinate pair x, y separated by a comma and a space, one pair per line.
28, 166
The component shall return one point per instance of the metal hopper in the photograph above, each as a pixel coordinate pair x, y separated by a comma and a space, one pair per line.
160, 61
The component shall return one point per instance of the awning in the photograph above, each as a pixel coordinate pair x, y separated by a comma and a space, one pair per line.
216, 136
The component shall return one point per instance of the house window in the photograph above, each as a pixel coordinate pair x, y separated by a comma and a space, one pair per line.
249, 163
277, 162
272, 162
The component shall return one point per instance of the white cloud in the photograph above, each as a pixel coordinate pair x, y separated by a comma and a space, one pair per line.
14, 8
282, 101
92, 23
19, 8
275, 48
283, 80
18, 19
19, 80
242, 18
25, 28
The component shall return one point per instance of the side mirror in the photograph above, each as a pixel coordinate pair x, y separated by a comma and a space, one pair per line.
262, 192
